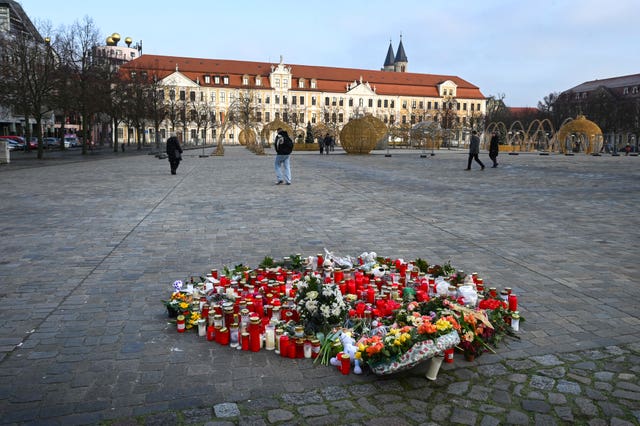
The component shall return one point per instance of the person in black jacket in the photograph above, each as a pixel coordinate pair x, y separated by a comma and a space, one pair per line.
174, 152
284, 146
494, 148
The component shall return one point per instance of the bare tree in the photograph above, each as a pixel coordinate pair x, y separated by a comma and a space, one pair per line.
85, 74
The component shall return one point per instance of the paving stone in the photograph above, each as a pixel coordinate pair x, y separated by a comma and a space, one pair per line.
515, 417
313, 410
279, 415
535, 405
541, 382
489, 421
226, 409
547, 360
565, 386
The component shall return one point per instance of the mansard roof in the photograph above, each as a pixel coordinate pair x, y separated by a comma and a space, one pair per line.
328, 79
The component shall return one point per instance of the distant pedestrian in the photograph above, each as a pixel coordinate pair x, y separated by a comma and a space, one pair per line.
284, 147
327, 143
494, 148
321, 143
627, 149
122, 146
474, 150
174, 152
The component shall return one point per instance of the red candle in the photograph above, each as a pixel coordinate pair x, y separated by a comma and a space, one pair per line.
211, 333
284, 345
513, 302
244, 336
224, 336
371, 295
292, 348
180, 322
343, 287
351, 287
345, 364
448, 355
320, 261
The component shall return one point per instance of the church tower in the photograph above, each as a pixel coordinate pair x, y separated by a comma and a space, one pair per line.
389, 60
401, 61
397, 62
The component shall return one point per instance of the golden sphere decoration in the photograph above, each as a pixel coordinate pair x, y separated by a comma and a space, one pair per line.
247, 137
128, 41
47, 40
585, 129
361, 135
115, 37
274, 126
110, 41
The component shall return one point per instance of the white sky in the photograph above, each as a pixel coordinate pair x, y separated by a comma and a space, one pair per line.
523, 49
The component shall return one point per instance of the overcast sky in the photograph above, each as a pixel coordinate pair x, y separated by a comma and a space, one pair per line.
523, 49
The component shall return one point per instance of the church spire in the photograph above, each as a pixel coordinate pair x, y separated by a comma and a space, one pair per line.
388, 62
401, 61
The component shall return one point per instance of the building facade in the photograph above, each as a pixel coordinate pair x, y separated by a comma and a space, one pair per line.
303, 94
14, 22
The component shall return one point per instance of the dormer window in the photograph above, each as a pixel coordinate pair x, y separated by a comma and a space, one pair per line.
301, 83
245, 80
634, 90
207, 79
225, 80
625, 91
216, 79
314, 84
258, 81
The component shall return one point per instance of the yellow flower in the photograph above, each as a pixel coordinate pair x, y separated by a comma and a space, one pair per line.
184, 305
443, 325
359, 355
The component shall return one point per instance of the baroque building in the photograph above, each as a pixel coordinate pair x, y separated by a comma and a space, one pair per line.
302, 95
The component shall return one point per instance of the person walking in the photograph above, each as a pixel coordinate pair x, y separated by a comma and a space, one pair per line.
284, 146
327, 143
474, 150
494, 148
322, 143
174, 152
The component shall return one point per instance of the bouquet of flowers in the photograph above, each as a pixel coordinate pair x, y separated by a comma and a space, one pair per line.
320, 305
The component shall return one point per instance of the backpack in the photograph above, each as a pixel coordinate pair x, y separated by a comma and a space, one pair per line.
286, 146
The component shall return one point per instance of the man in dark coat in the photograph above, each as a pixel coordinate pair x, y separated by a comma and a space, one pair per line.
474, 150
494, 148
174, 152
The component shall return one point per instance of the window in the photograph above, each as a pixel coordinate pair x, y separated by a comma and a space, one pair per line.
192, 96
413, 119
285, 83
340, 118
360, 102
625, 91
207, 79
285, 117
392, 104
258, 116
472, 107
379, 103
216, 79
370, 103
284, 100
435, 105
226, 80
313, 100
429, 105
404, 104
277, 82
193, 134
313, 118
213, 97
584, 95
341, 103
386, 103
334, 118
294, 100
421, 105
326, 117
222, 97
464, 106
392, 119
183, 95
258, 81
334, 101
301, 100
404, 119
313, 84
267, 99
301, 115
634, 90
350, 102
161, 94
245, 81
277, 99
301, 83
267, 116
326, 101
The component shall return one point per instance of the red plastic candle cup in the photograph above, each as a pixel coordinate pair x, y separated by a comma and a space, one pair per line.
245, 341
448, 355
211, 333
345, 364
284, 346
513, 302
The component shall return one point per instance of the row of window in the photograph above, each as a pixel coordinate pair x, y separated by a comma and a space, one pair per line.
328, 101
625, 91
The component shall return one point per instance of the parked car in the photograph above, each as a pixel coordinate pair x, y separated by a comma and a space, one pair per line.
51, 142
13, 145
19, 141
71, 142
33, 143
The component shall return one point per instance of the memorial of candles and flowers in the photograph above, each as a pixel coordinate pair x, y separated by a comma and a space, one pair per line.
364, 313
